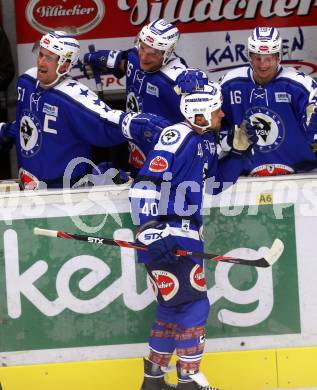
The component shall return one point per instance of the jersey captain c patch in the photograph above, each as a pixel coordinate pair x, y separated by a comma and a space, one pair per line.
30, 134
268, 127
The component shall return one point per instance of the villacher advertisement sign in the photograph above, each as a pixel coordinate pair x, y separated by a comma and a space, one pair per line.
213, 32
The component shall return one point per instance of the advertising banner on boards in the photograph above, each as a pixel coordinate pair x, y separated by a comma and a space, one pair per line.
213, 32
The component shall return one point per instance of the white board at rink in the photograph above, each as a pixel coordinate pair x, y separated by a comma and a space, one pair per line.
59, 296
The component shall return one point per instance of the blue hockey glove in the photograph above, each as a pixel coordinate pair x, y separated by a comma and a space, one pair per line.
250, 131
142, 127
191, 80
102, 60
161, 244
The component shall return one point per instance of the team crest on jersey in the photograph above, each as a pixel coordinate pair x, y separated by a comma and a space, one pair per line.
167, 283
197, 278
171, 137
30, 134
158, 164
134, 102
268, 127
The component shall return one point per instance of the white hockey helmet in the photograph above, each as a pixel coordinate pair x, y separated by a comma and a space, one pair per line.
160, 35
203, 102
64, 45
265, 40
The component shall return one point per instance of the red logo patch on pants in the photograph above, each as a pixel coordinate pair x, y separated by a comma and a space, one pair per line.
167, 283
197, 278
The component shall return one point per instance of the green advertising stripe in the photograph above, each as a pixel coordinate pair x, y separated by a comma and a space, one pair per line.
64, 294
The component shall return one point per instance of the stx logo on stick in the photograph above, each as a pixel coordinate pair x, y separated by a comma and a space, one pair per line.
95, 240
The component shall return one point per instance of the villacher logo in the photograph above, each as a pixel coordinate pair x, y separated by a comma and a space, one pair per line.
80, 15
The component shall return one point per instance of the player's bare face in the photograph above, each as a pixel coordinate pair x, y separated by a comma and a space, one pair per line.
264, 67
216, 117
46, 67
150, 59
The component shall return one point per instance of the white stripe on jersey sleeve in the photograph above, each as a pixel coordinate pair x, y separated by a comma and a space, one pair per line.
82, 94
112, 115
144, 194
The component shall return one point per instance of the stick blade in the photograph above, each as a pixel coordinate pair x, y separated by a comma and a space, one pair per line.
275, 252
45, 232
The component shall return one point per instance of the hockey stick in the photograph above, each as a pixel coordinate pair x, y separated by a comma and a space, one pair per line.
97, 77
268, 260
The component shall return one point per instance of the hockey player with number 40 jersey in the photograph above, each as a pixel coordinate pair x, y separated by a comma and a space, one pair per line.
275, 104
59, 119
166, 203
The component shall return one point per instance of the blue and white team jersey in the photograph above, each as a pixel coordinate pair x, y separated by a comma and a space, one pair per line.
151, 92
56, 125
170, 185
277, 111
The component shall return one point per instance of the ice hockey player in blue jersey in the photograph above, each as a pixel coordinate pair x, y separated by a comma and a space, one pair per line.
152, 71
166, 203
59, 119
277, 106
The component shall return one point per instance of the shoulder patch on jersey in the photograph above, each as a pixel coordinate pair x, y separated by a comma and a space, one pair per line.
170, 137
158, 164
